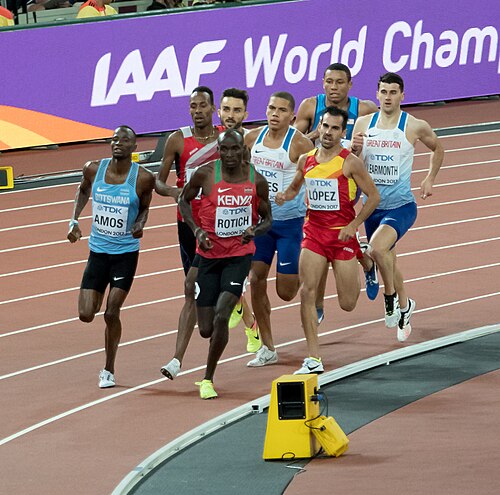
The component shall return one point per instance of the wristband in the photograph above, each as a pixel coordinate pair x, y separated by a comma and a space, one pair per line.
72, 223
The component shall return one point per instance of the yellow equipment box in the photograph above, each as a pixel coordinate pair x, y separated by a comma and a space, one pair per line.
6, 178
291, 408
329, 434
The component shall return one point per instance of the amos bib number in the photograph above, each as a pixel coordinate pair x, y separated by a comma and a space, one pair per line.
110, 220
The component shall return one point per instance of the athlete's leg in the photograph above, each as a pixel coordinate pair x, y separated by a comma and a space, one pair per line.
288, 242
220, 330
260, 301
320, 293
248, 317
94, 282
347, 282
187, 245
89, 303
399, 283
311, 268
113, 331
187, 317
381, 243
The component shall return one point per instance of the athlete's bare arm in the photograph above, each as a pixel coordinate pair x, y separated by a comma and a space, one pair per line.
293, 189
366, 107
358, 133
305, 118
252, 136
264, 211
201, 179
420, 129
82, 197
355, 169
300, 145
173, 149
145, 187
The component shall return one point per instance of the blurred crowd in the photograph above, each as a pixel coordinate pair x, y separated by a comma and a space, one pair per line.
90, 8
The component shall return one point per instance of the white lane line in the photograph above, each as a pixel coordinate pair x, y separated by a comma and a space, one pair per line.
67, 201
455, 222
455, 150
41, 205
70, 289
490, 131
69, 320
85, 354
53, 243
65, 221
458, 165
65, 241
61, 265
75, 184
88, 405
458, 201
41, 188
423, 227
276, 308
158, 301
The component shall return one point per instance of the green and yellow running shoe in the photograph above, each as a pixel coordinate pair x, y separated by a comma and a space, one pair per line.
253, 343
236, 315
207, 390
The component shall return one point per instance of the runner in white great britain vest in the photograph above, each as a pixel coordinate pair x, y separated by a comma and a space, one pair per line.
388, 157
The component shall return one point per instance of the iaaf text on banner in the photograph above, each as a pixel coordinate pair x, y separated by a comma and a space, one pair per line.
140, 71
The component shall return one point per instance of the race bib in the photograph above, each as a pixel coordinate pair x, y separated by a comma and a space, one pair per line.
382, 159
231, 222
323, 194
189, 174
274, 180
110, 220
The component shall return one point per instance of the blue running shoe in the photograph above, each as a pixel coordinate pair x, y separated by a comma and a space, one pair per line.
371, 281
321, 315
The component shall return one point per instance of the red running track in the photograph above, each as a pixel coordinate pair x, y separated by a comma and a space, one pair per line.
58, 430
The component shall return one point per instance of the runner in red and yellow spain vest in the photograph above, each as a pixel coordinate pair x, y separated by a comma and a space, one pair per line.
332, 176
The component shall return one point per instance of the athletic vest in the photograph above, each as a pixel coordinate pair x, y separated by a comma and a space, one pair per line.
388, 157
114, 211
193, 156
352, 112
275, 165
330, 194
226, 213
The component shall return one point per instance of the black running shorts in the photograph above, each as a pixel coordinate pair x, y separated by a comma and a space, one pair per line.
218, 275
117, 270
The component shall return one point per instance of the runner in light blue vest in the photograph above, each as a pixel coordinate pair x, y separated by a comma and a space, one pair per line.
121, 193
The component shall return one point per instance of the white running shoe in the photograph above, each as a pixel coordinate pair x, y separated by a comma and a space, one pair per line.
106, 379
263, 357
171, 369
404, 326
309, 366
392, 311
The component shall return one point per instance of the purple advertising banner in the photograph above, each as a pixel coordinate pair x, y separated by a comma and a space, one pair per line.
78, 81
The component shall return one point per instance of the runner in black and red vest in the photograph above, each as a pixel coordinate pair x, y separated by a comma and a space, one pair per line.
188, 148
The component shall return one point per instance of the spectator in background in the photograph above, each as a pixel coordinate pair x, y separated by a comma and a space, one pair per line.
96, 8
6, 17
167, 4
37, 5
